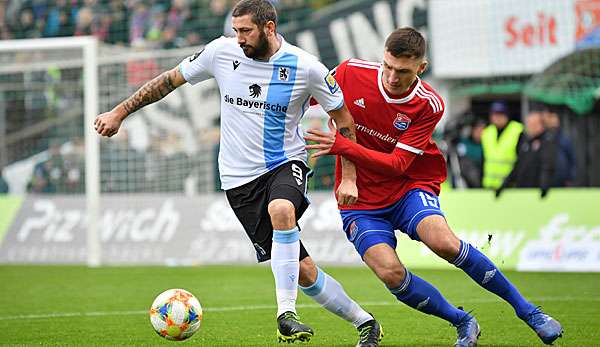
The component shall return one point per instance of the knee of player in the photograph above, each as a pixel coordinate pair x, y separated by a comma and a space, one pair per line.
281, 210
445, 248
393, 275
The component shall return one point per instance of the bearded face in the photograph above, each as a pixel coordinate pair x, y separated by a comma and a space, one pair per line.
257, 49
252, 38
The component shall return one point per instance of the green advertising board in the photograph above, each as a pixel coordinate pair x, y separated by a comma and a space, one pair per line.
520, 230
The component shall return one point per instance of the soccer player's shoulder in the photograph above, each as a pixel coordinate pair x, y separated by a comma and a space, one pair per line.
430, 98
302, 55
361, 65
224, 42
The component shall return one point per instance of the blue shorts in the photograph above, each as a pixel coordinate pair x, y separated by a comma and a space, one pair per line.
366, 228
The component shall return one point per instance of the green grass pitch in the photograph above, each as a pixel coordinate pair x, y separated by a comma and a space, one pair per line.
77, 306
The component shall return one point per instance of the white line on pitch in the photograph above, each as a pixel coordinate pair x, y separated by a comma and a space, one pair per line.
267, 307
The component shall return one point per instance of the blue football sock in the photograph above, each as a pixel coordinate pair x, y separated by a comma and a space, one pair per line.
486, 274
422, 296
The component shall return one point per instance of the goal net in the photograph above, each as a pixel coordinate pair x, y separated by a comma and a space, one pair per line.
52, 90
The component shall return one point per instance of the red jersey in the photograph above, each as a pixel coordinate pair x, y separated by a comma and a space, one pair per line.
397, 152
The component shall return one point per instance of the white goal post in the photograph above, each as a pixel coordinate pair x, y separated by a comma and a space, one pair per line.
89, 48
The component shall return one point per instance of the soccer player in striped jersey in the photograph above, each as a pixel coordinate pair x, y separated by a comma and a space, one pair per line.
265, 85
399, 172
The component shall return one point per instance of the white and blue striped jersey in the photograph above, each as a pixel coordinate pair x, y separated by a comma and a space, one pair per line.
262, 103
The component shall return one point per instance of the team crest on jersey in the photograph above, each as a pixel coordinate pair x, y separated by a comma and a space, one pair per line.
331, 83
352, 230
401, 122
255, 90
284, 74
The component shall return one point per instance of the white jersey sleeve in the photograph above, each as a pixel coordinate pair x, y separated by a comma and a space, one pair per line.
199, 67
324, 88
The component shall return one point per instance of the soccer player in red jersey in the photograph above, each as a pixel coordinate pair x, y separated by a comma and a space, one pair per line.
399, 172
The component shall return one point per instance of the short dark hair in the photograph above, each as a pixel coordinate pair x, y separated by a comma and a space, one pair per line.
262, 11
406, 42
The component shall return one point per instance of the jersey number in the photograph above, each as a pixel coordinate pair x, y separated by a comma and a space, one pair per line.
297, 172
428, 201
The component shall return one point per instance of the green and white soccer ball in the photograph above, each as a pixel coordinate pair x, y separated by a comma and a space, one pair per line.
176, 314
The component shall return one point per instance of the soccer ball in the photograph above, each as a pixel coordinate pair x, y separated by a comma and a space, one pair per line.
176, 314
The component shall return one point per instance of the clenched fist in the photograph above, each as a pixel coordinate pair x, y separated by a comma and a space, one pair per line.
108, 124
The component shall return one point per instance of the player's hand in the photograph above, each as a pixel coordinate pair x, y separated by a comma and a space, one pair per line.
324, 140
347, 192
108, 124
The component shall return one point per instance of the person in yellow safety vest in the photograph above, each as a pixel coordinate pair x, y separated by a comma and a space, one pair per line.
499, 142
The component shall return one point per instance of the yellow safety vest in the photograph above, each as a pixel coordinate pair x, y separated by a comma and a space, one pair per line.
500, 153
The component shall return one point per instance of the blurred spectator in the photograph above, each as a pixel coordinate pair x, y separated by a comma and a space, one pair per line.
93, 19
101, 28
169, 39
25, 28
470, 154
156, 24
58, 18
212, 25
48, 175
3, 184
95, 5
499, 143
139, 23
536, 159
188, 33
4, 32
74, 165
566, 165
119, 23
85, 19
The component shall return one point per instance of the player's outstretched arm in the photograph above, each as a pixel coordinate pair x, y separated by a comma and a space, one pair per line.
330, 143
390, 164
108, 124
347, 191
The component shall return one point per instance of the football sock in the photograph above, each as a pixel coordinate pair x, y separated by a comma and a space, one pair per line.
422, 296
285, 266
329, 293
481, 269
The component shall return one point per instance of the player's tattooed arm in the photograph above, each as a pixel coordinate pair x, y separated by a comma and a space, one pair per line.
345, 126
153, 90
108, 123
350, 134
347, 191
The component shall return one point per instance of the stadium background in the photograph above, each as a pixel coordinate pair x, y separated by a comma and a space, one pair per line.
160, 203
160, 171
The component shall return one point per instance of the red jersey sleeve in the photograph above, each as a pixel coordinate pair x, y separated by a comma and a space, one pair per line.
411, 143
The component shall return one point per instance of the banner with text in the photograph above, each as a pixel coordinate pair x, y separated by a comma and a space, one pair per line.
355, 29
518, 231
510, 37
